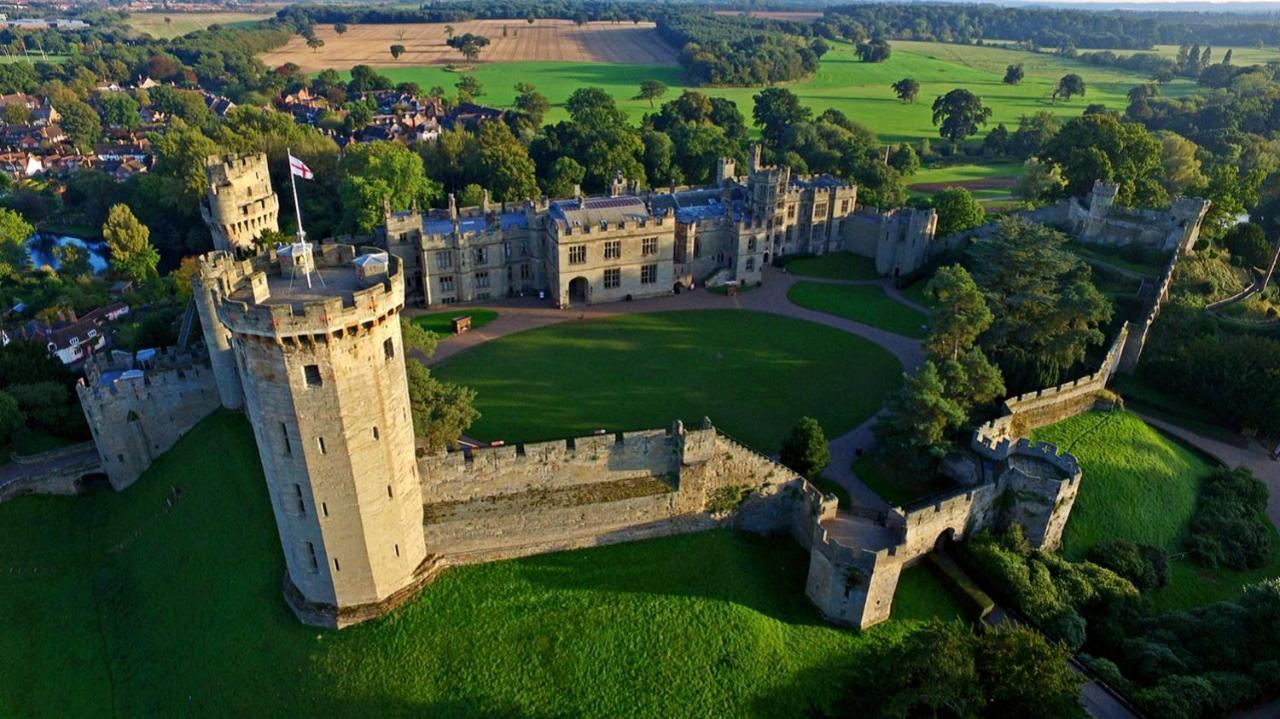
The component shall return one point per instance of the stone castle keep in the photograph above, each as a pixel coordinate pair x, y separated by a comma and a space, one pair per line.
307, 343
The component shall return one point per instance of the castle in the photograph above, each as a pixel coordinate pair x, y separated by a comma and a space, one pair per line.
239, 204
634, 244
307, 342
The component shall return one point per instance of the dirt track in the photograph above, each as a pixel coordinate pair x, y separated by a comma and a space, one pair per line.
631, 43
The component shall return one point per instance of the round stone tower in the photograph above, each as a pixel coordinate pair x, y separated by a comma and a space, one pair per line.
317, 342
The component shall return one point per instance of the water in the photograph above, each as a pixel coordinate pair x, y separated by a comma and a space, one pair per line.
40, 250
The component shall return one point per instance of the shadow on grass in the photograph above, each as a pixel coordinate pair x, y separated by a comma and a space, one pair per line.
764, 574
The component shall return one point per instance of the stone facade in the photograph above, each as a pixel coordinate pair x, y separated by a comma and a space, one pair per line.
137, 408
240, 203
855, 562
633, 244
321, 364
1101, 221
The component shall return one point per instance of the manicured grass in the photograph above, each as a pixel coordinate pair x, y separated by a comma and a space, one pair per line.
1149, 270
441, 323
867, 304
181, 23
1140, 485
835, 266
753, 374
967, 172
915, 293
118, 604
860, 90
896, 487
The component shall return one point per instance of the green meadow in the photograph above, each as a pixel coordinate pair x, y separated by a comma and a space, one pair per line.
860, 90
1142, 486
753, 374
150, 602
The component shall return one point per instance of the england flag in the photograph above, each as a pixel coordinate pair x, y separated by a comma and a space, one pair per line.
299, 168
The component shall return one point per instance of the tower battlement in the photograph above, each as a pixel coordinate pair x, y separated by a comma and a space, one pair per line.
240, 203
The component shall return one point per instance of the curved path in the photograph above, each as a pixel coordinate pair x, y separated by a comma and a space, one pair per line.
518, 315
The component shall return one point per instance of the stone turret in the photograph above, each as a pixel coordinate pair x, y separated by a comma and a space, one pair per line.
321, 361
240, 204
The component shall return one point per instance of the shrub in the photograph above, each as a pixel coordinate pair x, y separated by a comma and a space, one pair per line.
1146, 566
1229, 527
805, 448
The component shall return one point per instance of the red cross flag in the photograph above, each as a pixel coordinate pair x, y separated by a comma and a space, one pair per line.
299, 168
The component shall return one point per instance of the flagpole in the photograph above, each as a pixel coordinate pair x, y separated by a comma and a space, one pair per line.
297, 210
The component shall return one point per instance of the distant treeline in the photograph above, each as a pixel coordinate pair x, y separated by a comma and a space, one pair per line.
714, 49
1044, 27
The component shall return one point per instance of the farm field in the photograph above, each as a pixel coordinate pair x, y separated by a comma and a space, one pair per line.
1142, 486
545, 40
867, 304
155, 605
1239, 55
753, 374
991, 185
153, 23
860, 90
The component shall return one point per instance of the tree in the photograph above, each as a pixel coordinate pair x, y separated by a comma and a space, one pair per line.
469, 45
958, 115
120, 110
1178, 158
566, 173
775, 110
16, 113
906, 89
1013, 74
960, 316
340, 28
129, 242
918, 418
441, 411
1093, 147
1040, 181
417, 339
1069, 86
14, 233
1248, 244
504, 165
651, 90
904, 159
531, 103
1022, 674
397, 51
957, 211
448, 31
876, 50
805, 449
315, 43
11, 418
378, 172
1046, 309
468, 88
81, 124
930, 673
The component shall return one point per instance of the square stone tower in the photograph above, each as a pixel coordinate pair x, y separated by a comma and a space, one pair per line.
321, 363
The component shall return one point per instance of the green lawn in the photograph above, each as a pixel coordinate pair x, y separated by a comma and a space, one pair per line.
895, 487
441, 323
867, 304
753, 374
1150, 270
1140, 485
860, 90
835, 266
117, 604
915, 292
967, 172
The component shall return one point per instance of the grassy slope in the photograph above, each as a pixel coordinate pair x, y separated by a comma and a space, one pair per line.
860, 90
442, 322
753, 374
867, 304
153, 22
1142, 486
835, 266
117, 604
894, 486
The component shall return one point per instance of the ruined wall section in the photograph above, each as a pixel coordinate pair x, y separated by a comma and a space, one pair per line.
137, 414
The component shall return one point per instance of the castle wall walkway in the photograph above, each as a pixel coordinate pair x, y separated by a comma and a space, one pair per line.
520, 314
